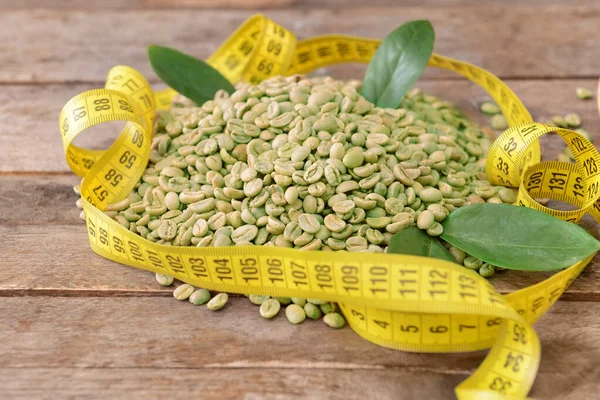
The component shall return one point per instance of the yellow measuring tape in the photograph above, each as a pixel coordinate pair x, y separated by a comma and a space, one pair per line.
402, 302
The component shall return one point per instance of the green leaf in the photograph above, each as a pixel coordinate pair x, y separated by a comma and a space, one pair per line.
517, 237
414, 241
188, 75
397, 64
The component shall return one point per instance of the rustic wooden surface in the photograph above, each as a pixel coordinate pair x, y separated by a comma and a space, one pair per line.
73, 325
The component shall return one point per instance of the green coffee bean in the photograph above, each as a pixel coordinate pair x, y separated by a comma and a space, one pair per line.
486, 270
583, 94
559, 121
269, 308
379, 222
217, 302
472, 263
356, 243
334, 320
199, 297
508, 195
458, 255
309, 223
245, 233
312, 311
374, 236
334, 223
430, 195
156, 210
425, 220
328, 308
164, 280
573, 120
436, 229
258, 299
283, 300
167, 230
295, 314
299, 301
498, 122
353, 158
183, 292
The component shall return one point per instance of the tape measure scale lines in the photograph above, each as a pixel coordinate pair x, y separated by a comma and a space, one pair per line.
402, 302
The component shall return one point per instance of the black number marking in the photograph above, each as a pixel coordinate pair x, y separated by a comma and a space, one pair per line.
520, 334
515, 361
500, 385
265, 66
113, 177
102, 104
65, 126
199, 267
118, 245
409, 328
510, 146
138, 139
438, 329
461, 327
103, 236
127, 159
502, 165
274, 47
382, 324
100, 192
358, 315
79, 113
590, 166
125, 106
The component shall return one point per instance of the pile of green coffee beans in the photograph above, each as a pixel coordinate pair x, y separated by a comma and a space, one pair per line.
308, 163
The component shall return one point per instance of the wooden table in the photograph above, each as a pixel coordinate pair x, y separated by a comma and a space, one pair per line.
74, 325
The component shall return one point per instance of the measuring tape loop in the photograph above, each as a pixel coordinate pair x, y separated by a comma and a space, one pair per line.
397, 301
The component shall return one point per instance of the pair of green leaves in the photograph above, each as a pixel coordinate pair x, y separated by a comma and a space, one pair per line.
396, 65
504, 235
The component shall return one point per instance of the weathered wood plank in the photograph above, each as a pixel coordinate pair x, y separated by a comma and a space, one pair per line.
161, 335
31, 142
57, 260
252, 383
510, 41
246, 383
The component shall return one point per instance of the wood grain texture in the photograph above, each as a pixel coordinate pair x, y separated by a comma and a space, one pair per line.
223, 384
510, 41
31, 142
57, 260
149, 337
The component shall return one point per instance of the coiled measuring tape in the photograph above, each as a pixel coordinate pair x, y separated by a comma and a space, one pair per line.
397, 301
